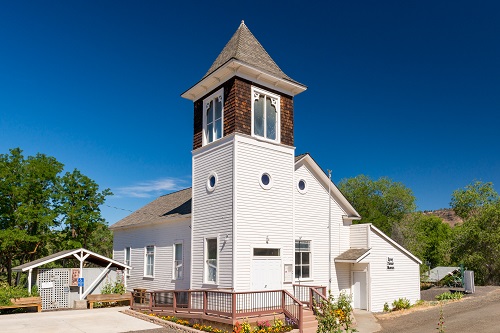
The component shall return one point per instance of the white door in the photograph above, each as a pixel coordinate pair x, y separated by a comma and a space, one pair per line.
266, 274
359, 290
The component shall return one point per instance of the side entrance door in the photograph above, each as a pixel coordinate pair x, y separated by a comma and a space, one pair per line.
359, 290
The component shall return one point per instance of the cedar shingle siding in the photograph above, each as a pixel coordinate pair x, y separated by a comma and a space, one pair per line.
238, 111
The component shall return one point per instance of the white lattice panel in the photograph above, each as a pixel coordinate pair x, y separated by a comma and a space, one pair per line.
53, 285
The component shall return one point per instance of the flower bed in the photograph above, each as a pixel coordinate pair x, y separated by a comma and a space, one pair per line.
261, 326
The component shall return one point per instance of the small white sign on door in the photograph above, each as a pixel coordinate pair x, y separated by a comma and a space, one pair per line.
46, 285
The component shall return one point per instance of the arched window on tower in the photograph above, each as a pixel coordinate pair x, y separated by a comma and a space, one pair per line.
213, 115
265, 114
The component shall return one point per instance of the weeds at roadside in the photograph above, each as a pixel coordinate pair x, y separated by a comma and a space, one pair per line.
440, 325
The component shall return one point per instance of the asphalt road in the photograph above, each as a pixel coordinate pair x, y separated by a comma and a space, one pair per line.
478, 312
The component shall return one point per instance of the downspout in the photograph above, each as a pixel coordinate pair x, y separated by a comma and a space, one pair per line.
329, 233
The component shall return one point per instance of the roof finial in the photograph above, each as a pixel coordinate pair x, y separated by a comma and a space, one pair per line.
243, 22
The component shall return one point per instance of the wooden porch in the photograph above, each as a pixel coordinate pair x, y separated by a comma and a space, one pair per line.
228, 307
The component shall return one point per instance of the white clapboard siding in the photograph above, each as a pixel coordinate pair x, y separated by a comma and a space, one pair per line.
162, 236
343, 272
213, 211
388, 285
262, 214
311, 223
359, 236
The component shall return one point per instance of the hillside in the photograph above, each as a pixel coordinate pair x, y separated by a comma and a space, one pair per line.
447, 215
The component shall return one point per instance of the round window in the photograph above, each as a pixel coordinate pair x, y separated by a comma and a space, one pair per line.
211, 181
302, 186
266, 181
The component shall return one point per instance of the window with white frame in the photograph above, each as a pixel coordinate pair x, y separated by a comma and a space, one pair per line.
149, 261
265, 114
178, 261
211, 260
302, 259
213, 115
127, 259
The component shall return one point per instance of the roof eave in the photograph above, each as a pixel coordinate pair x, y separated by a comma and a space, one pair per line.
352, 214
394, 243
234, 67
72, 253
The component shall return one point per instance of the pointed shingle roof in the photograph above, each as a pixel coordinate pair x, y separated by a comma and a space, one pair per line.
243, 46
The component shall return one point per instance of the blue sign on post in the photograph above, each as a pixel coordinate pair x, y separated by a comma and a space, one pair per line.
80, 282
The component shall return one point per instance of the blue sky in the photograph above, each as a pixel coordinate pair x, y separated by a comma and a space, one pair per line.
404, 89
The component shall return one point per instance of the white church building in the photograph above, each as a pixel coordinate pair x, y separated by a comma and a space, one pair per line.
258, 216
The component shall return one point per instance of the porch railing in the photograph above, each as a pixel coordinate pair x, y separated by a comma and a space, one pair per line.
306, 294
317, 297
219, 305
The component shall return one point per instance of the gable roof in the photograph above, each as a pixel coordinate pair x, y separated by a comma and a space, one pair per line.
323, 178
245, 47
92, 257
173, 206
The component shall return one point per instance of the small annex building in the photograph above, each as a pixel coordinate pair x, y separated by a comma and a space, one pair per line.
258, 216
59, 288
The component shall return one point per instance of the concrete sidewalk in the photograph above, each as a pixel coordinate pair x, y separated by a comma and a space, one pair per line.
366, 322
105, 320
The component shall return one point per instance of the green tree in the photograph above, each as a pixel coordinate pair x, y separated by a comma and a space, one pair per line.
27, 187
42, 212
79, 200
473, 198
476, 242
425, 236
381, 202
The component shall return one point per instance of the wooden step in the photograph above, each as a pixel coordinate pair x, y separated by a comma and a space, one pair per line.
309, 322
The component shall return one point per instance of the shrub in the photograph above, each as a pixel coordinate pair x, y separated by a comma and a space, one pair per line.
334, 316
400, 304
113, 288
386, 307
448, 295
419, 302
7, 292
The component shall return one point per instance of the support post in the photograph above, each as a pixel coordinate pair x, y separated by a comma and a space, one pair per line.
301, 318
174, 301
233, 306
29, 280
80, 288
205, 302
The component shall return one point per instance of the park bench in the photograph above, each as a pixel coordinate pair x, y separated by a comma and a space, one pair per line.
108, 298
24, 302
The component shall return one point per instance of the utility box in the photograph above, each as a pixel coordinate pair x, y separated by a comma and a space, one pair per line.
469, 287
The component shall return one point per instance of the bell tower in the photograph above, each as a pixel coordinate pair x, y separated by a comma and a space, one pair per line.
243, 164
